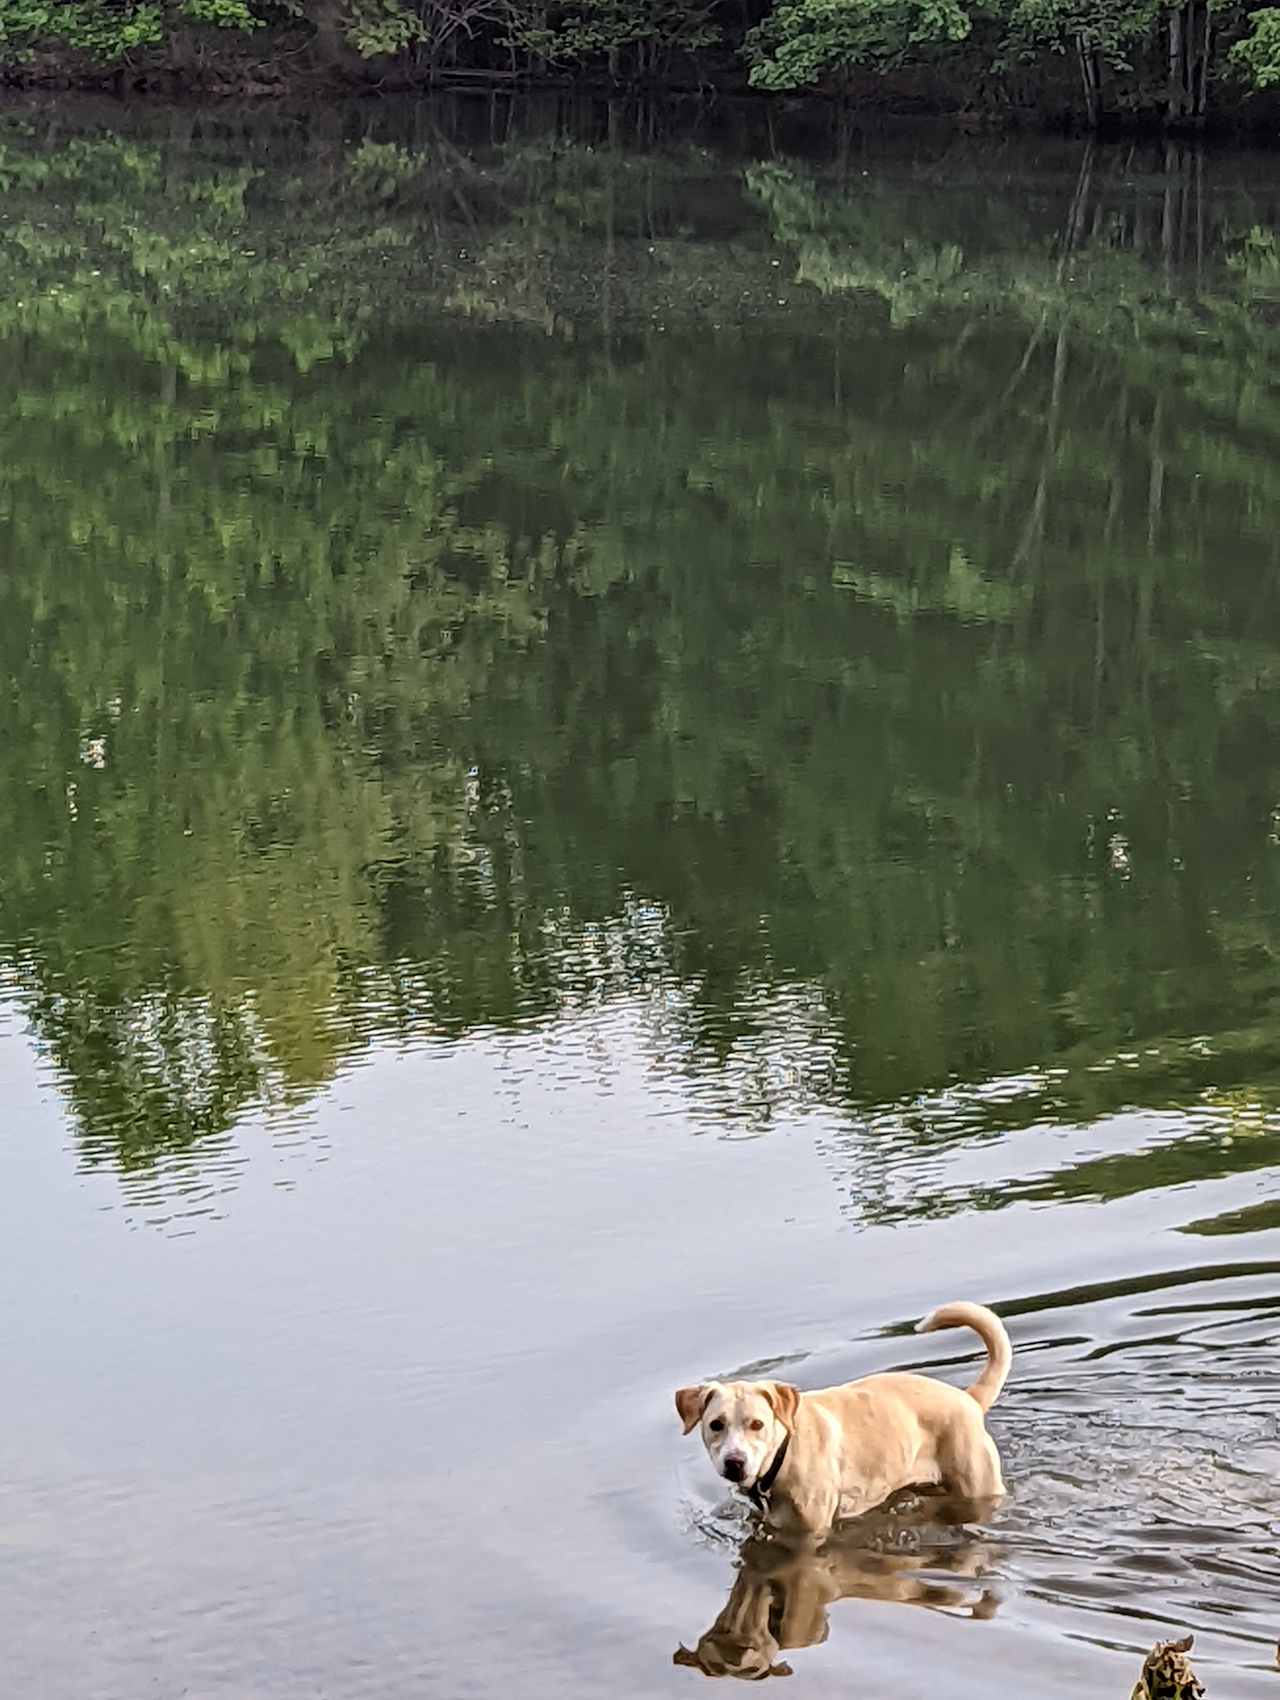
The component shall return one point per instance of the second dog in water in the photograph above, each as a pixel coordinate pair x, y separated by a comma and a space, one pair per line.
806, 1459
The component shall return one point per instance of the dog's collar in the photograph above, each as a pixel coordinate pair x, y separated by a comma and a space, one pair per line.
759, 1491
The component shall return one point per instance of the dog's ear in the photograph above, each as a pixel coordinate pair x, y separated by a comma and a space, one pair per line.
785, 1400
691, 1402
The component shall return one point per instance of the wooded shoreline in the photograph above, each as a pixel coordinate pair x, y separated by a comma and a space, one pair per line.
1148, 65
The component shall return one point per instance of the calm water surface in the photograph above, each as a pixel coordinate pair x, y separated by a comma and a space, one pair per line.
633, 748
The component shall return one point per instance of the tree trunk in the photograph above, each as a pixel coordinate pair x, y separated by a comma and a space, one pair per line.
1202, 88
1090, 81
329, 42
1175, 99
1190, 48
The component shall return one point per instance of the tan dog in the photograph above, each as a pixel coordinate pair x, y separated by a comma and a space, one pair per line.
780, 1597
805, 1459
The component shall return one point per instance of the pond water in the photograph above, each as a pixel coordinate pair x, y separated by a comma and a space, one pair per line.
635, 746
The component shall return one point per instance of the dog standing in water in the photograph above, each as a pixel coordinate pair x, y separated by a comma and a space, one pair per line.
806, 1459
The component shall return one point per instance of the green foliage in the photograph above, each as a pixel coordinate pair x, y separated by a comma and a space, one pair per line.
107, 34
1257, 54
381, 27
222, 14
803, 42
1108, 27
84, 27
595, 32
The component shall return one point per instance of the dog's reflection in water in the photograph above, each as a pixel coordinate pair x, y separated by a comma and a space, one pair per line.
781, 1593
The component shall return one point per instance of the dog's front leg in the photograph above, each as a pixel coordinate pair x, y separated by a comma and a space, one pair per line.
805, 1518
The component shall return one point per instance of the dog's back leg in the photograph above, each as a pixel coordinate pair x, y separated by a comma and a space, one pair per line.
970, 1465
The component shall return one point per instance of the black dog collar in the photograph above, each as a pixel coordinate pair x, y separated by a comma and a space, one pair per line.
758, 1492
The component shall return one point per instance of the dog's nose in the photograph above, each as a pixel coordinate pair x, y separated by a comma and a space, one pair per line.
734, 1469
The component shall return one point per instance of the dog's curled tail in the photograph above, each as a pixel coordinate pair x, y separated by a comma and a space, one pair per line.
990, 1330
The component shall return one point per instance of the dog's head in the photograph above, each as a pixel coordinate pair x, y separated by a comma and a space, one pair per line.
743, 1423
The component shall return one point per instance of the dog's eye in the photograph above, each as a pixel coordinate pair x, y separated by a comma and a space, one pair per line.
756, 1424
716, 1424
